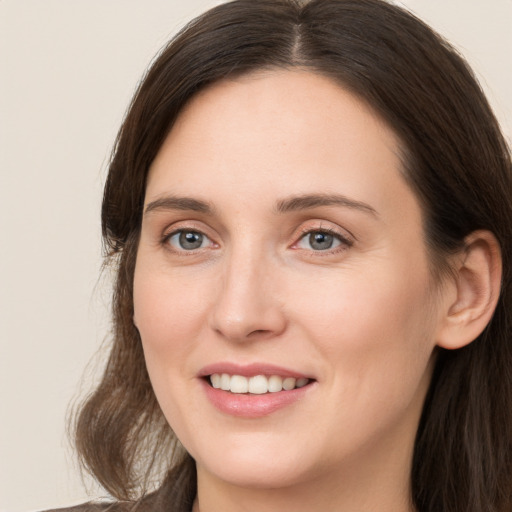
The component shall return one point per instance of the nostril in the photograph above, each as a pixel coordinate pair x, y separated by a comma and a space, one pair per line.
257, 332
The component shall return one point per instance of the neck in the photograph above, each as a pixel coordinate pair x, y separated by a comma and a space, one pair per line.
274, 501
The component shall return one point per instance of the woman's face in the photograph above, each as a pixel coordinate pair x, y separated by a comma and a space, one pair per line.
280, 242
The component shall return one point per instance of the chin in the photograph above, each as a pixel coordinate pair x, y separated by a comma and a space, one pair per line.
255, 464
262, 476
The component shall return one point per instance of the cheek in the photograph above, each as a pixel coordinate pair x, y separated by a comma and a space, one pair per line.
169, 322
378, 342
375, 326
167, 310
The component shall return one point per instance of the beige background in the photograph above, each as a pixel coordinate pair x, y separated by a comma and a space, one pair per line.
67, 71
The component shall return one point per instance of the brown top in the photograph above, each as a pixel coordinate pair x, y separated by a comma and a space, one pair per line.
86, 507
165, 499
155, 502
176, 494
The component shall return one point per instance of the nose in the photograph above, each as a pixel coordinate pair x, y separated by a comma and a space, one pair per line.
248, 305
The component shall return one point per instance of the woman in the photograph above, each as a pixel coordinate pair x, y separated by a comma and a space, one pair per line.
309, 207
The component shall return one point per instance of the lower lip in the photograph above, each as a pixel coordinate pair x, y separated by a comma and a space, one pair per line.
246, 405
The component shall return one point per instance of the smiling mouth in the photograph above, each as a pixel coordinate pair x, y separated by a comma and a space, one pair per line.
256, 385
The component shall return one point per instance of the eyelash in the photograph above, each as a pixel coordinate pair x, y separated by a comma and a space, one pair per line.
344, 242
183, 252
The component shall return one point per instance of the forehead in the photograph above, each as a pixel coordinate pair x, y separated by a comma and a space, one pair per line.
278, 133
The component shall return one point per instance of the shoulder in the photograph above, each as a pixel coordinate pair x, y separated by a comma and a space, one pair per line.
172, 496
154, 502
97, 507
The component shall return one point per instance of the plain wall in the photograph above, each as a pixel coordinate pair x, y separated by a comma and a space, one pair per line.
67, 71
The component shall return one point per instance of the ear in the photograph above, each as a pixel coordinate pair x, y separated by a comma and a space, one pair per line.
473, 291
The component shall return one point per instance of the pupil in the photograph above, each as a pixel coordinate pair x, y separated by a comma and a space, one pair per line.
320, 241
191, 240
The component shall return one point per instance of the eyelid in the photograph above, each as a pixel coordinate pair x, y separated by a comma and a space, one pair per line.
344, 236
182, 226
319, 227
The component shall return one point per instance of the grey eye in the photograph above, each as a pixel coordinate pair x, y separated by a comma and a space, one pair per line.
188, 240
319, 241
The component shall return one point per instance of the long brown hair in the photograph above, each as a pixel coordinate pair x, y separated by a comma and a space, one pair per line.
456, 161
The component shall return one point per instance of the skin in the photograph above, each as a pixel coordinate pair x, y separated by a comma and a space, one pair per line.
360, 317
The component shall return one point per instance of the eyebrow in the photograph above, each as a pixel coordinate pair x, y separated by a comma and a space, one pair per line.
179, 203
310, 201
291, 204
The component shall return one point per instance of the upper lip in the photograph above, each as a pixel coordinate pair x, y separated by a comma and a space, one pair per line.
250, 370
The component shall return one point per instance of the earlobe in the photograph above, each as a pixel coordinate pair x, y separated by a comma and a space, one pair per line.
476, 282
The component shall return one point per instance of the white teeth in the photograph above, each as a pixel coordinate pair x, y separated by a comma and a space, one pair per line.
239, 384
215, 380
257, 385
225, 382
288, 383
301, 382
275, 384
